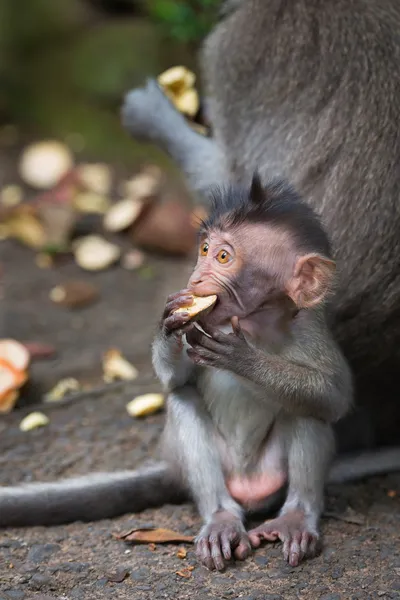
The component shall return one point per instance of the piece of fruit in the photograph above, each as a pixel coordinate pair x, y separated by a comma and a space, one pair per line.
201, 305
178, 84
145, 405
15, 354
115, 366
94, 253
43, 164
122, 214
61, 389
34, 420
96, 177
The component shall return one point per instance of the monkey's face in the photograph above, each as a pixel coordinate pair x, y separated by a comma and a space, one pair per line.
235, 265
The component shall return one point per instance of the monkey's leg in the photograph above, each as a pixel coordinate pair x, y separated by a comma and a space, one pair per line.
148, 115
223, 533
310, 450
90, 497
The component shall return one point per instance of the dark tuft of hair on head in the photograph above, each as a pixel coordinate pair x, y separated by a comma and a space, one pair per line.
274, 203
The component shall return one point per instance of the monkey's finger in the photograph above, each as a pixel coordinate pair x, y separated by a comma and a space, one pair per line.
201, 356
255, 539
226, 546
216, 553
243, 550
174, 296
176, 321
217, 335
308, 544
197, 338
237, 329
292, 551
203, 553
178, 302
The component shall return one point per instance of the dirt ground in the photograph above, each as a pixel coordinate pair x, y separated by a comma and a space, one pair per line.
360, 560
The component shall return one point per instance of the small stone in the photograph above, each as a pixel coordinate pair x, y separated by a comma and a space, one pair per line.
39, 553
118, 575
261, 560
39, 580
15, 595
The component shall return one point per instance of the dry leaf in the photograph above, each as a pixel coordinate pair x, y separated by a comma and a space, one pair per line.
61, 389
182, 553
145, 405
185, 572
94, 253
38, 350
115, 366
156, 536
11, 195
43, 164
96, 177
34, 420
74, 294
122, 214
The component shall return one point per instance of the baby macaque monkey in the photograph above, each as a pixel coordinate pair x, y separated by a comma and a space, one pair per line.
254, 392
254, 387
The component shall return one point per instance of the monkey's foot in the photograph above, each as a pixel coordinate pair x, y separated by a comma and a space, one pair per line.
299, 539
223, 537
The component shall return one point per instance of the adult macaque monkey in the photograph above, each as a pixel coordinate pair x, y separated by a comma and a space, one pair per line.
253, 392
310, 91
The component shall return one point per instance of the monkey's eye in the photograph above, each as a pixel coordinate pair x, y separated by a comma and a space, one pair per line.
223, 257
204, 249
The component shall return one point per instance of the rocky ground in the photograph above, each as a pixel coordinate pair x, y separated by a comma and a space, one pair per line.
360, 557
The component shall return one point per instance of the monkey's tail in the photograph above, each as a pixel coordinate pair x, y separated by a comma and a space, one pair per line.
365, 464
89, 498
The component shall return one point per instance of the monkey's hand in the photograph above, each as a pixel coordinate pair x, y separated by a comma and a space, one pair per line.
172, 323
147, 112
223, 537
229, 351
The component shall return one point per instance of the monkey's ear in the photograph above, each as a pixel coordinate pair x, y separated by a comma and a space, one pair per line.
257, 192
311, 280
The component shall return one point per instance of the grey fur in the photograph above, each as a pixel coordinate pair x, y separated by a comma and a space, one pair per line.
310, 91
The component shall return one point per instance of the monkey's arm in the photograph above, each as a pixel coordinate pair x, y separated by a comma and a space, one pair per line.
170, 361
314, 382
148, 115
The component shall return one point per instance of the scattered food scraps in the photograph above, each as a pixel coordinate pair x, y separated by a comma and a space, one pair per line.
145, 405
42, 164
182, 553
94, 253
115, 366
392, 493
61, 389
27, 229
122, 214
155, 536
186, 573
74, 294
96, 177
91, 203
11, 195
34, 420
133, 260
178, 84
14, 363
143, 186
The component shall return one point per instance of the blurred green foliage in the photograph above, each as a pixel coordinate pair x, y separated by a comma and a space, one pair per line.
65, 65
184, 20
